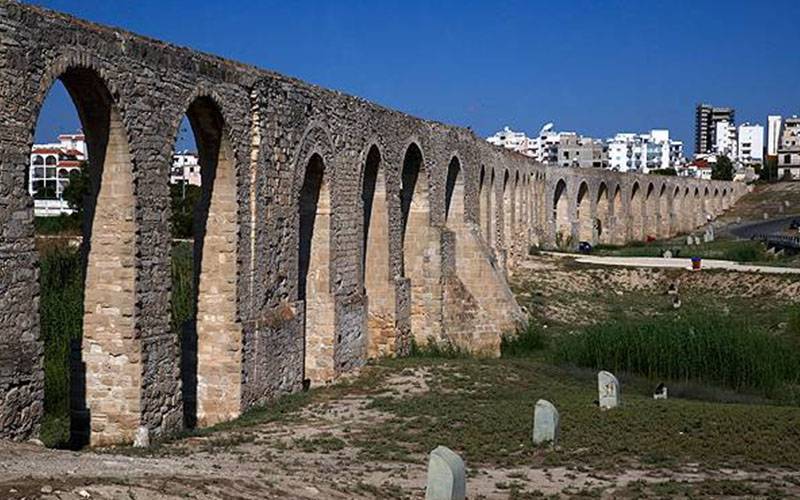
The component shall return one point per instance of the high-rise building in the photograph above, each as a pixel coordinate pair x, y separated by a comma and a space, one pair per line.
724, 139
750, 144
773, 134
705, 126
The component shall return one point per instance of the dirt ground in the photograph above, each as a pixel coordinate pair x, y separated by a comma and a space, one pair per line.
315, 453
302, 459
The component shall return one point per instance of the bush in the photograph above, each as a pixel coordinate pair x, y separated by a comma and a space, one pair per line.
524, 342
706, 348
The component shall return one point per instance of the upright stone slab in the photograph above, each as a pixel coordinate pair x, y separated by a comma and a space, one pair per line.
446, 478
545, 423
608, 388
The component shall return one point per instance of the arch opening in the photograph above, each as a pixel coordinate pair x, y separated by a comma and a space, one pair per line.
417, 264
561, 222
205, 228
314, 285
83, 188
603, 217
378, 287
584, 214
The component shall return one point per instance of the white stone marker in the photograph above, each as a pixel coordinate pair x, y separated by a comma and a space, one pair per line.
608, 387
545, 423
446, 476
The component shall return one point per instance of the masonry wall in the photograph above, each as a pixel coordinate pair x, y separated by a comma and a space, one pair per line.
446, 280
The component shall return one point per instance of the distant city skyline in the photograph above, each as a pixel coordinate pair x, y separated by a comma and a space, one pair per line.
595, 67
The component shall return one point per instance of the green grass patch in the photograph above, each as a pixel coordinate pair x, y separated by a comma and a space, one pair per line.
708, 347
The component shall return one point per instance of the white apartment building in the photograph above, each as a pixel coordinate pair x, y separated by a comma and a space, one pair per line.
49, 170
773, 134
185, 169
515, 141
629, 152
725, 136
750, 144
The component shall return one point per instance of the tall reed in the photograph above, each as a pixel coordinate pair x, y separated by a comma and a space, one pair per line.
698, 347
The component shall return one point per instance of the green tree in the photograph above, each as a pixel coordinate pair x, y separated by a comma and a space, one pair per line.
183, 201
77, 190
769, 172
723, 169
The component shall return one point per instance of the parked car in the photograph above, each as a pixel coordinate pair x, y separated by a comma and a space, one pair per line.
585, 247
795, 224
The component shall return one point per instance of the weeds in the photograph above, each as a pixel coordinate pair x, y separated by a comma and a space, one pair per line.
699, 347
523, 343
437, 349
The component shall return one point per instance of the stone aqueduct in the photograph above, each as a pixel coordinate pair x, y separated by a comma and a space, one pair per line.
330, 229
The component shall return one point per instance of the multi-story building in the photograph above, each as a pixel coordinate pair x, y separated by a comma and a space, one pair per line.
705, 126
185, 169
789, 150
773, 134
583, 152
515, 141
50, 168
750, 144
644, 152
725, 139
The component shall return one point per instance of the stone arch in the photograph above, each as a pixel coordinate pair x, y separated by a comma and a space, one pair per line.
314, 265
111, 349
560, 216
417, 235
491, 224
583, 213
635, 213
375, 265
212, 344
484, 201
663, 216
677, 213
454, 194
602, 222
650, 217
507, 215
717, 202
618, 223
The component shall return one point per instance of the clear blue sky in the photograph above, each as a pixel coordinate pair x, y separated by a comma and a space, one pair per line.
597, 67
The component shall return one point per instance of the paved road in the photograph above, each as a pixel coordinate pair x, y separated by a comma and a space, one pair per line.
679, 263
749, 229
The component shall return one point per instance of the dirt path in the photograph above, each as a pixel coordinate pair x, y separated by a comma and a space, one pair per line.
675, 263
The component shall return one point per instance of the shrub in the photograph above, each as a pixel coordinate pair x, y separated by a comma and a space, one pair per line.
707, 348
524, 342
